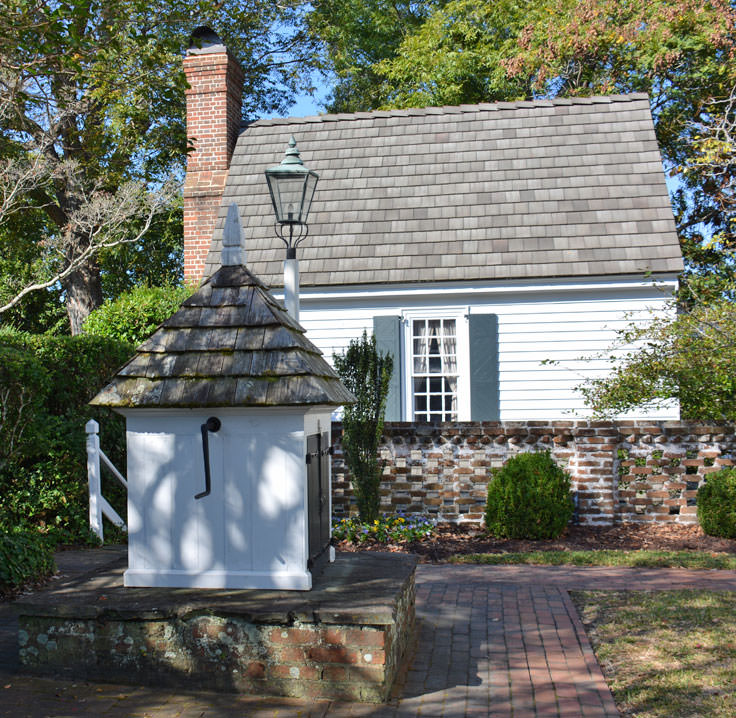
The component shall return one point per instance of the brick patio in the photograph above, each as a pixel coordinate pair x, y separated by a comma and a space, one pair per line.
500, 641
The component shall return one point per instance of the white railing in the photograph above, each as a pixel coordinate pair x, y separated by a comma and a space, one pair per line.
98, 504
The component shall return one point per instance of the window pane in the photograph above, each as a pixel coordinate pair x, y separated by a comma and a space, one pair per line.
434, 369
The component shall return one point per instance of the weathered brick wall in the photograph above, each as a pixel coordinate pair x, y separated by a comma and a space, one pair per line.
622, 471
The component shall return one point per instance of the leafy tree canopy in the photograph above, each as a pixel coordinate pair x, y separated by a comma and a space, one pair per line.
92, 123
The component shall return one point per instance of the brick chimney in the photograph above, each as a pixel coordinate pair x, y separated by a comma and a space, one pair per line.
213, 122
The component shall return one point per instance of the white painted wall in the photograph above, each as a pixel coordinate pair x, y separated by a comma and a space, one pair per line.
251, 531
561, 321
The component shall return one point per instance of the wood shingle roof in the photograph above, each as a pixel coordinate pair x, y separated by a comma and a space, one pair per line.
518, 190
230, 344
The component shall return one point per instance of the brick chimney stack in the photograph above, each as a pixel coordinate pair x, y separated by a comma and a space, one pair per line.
213, 122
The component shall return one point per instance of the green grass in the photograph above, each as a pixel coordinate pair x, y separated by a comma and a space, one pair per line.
665, 654
637, 559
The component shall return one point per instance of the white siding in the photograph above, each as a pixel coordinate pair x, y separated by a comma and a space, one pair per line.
560, 322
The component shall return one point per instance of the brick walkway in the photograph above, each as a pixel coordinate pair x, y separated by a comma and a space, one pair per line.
499, 641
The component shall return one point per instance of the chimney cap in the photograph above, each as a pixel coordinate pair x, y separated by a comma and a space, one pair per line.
205, 40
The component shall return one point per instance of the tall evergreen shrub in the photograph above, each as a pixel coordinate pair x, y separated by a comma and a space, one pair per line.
367, 373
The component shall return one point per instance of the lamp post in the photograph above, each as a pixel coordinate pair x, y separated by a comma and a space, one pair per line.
291, 186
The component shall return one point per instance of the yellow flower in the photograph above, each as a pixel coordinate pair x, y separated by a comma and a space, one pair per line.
376, 522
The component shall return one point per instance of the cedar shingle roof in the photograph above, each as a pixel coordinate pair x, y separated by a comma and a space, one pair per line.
230, 344
513, 190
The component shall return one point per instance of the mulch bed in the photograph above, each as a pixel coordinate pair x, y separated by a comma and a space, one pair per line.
451, 540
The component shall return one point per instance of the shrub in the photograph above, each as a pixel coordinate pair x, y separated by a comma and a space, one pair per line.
529, 497
136, 314
43, 485
25, 556
366, 373
717, 504
386, 529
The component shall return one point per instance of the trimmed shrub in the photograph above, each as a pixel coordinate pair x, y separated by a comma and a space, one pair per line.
25, 556
717, 504
43, 484
136, 314
529, 497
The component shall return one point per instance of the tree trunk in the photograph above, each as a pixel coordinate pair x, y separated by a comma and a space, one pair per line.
83, 294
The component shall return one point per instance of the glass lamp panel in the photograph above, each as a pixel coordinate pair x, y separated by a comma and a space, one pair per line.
309, 186
287, 194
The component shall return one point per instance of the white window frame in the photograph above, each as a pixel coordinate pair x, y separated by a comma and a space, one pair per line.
460, 315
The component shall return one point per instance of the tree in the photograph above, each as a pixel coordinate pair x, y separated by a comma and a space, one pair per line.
690, 356
366, 373
91, 118
354, 36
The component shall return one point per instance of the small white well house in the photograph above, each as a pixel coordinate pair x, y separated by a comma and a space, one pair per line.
228, 410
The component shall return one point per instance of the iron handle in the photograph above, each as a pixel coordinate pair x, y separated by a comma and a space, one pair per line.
212, 424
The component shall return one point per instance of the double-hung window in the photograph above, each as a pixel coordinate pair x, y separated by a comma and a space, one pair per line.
434, 382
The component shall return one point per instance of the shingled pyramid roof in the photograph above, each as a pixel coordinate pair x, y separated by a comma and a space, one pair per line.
230, 344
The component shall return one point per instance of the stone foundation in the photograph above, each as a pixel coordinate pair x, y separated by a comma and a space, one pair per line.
346, 639
622, 471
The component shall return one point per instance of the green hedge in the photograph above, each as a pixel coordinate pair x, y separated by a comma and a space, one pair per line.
48, 381
25, 556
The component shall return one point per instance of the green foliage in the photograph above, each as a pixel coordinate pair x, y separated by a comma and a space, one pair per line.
43, 483
25, 556
386, 529
23, 389
355, 35
717, 504
529, 497
135, 315
366, 373
93, 112
689, 356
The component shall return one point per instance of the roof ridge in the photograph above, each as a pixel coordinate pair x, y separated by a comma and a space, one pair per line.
448, 109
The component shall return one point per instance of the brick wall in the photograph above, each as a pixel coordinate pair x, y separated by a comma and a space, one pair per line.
635, 471
213, 123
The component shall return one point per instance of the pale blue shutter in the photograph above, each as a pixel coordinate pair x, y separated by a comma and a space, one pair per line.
484, 391
387, 331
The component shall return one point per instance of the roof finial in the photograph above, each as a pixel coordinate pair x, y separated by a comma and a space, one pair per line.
233, 250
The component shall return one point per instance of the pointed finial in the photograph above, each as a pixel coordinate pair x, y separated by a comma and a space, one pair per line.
292, 154
233, 250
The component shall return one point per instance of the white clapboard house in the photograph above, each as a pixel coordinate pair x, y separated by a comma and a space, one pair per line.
476, 241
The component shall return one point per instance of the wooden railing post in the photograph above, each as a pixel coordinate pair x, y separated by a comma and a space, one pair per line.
94, 477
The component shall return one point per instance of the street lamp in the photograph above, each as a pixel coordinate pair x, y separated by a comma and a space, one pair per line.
291, 186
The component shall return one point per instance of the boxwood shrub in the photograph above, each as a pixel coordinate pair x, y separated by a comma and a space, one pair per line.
529, 498
717, 504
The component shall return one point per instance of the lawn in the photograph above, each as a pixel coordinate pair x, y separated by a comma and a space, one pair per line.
606, 557
665, 654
